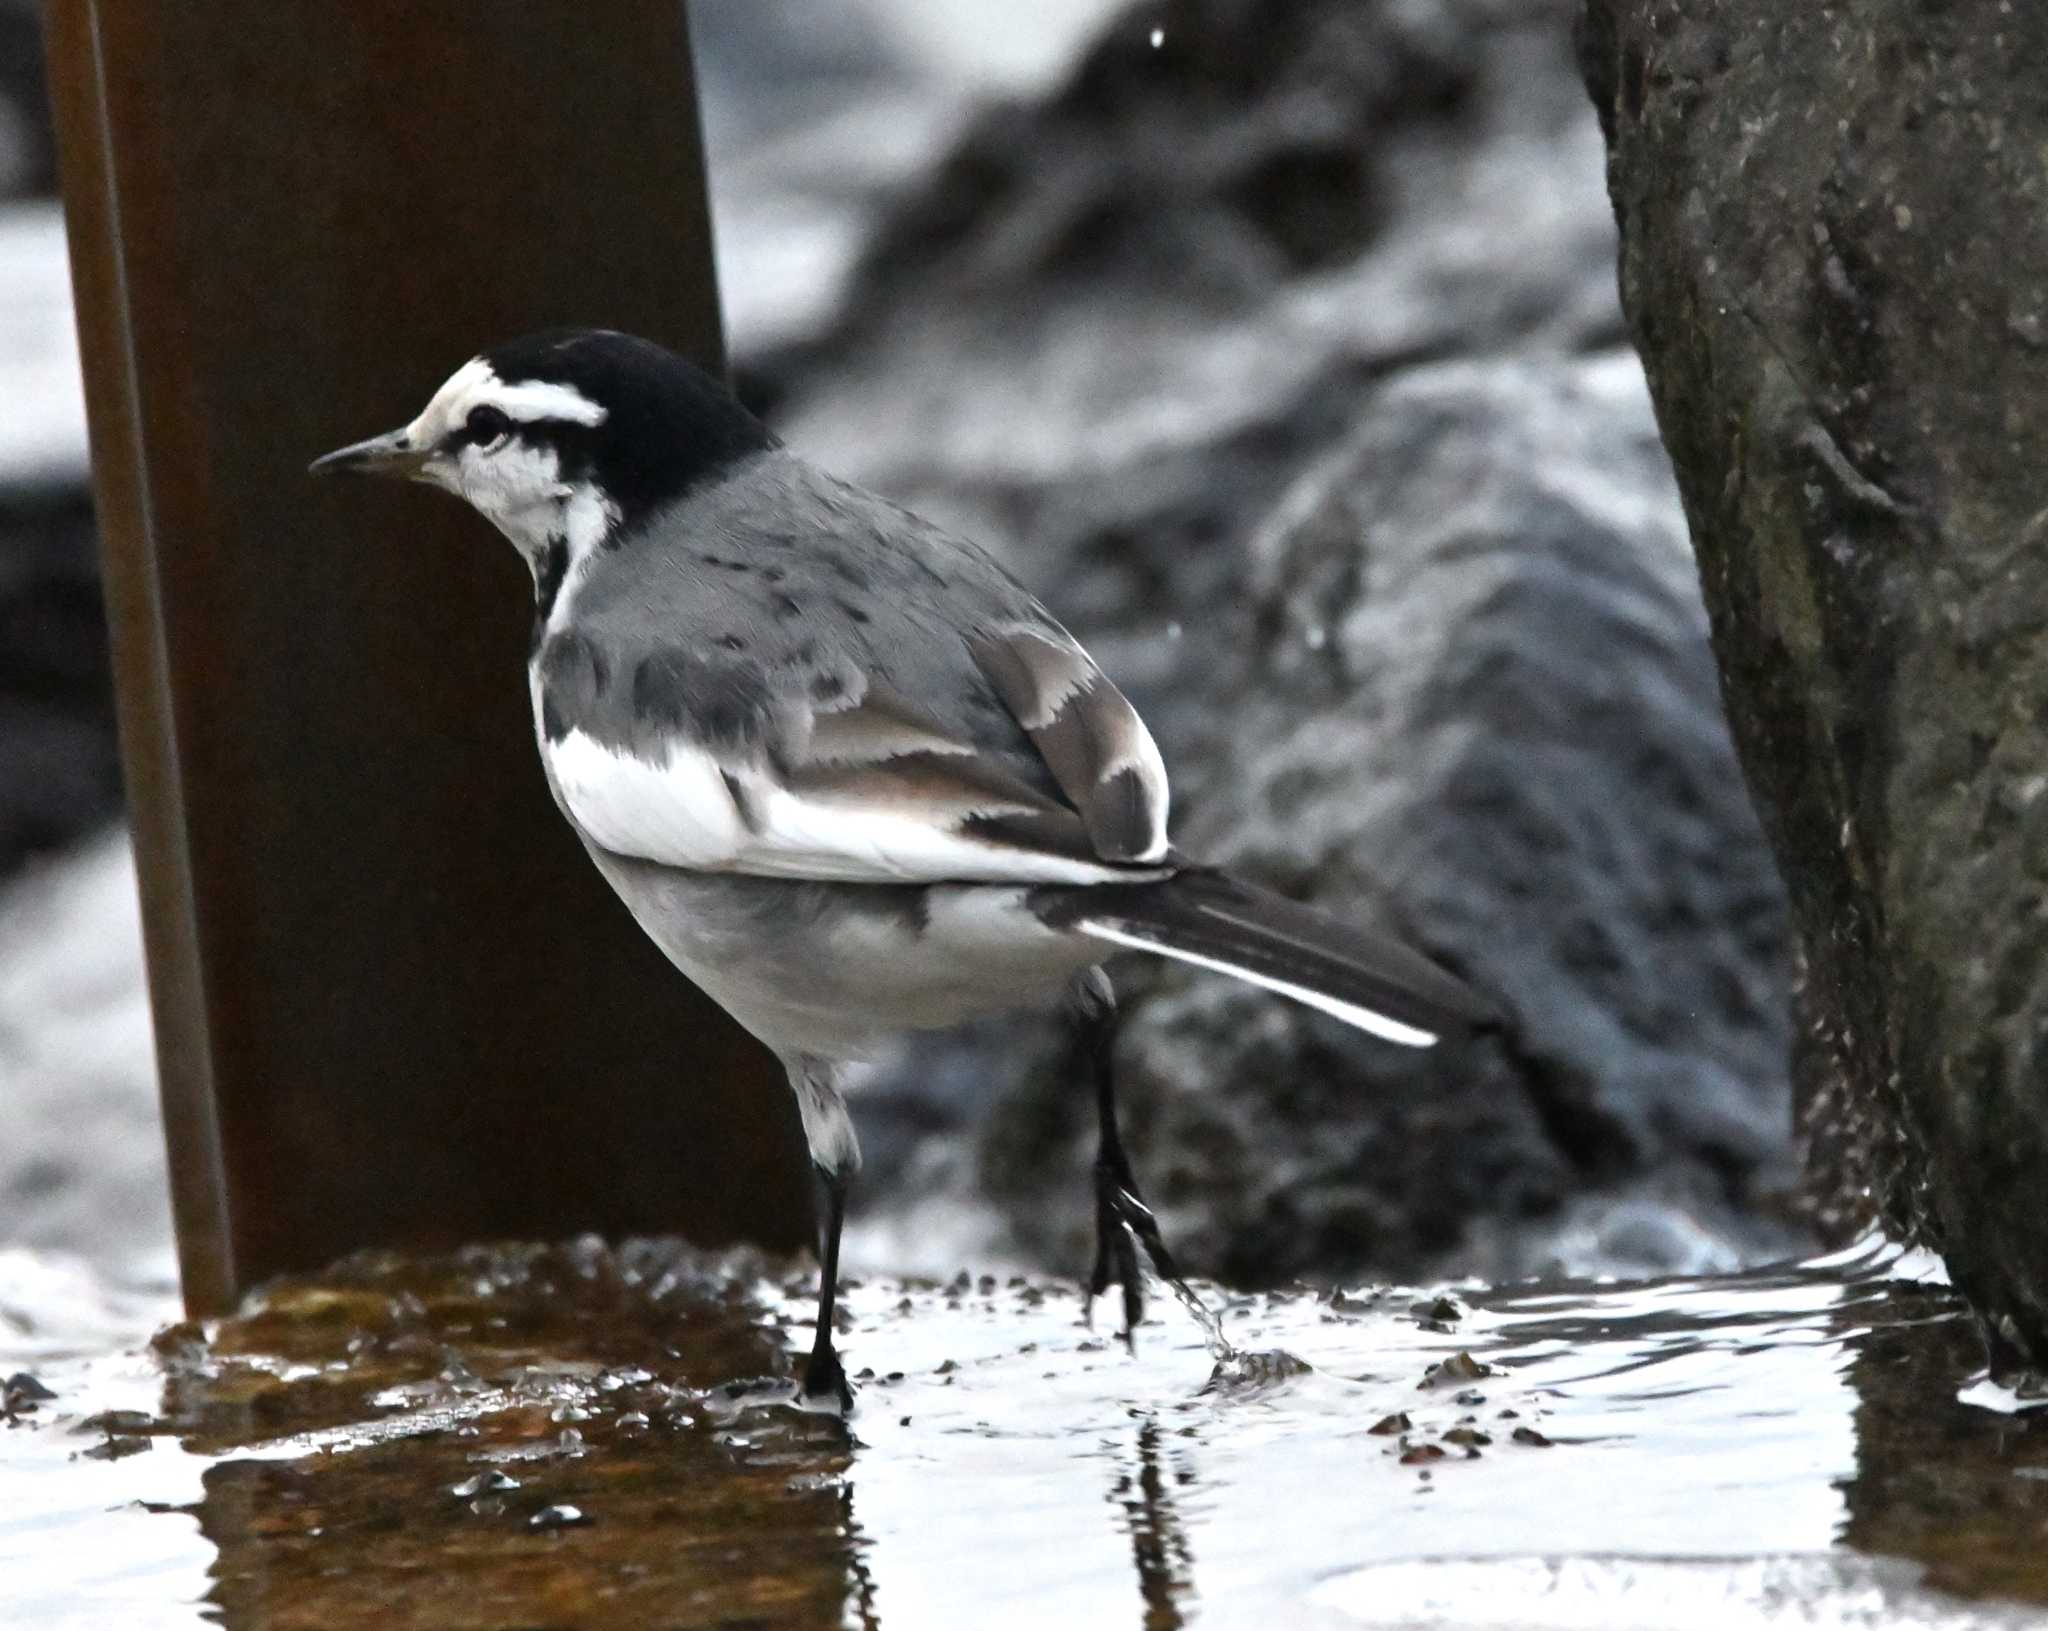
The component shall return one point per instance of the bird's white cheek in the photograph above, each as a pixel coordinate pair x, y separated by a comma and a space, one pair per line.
507, 480
441, 473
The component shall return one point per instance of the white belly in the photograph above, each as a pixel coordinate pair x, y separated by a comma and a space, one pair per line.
833, 970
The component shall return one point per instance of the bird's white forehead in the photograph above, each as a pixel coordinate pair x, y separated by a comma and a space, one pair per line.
476, 383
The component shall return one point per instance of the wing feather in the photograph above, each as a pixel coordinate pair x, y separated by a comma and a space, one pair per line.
864, 786
1092, 739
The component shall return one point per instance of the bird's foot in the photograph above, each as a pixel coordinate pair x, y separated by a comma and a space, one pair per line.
1121, 1226
824, 1385
1116, 1252
1124, 1224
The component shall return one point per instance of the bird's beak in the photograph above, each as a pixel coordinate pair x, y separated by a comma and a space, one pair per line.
391, 454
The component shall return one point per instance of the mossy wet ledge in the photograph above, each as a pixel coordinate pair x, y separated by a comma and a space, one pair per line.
1833, 223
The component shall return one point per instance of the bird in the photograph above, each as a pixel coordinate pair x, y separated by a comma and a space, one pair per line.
841, 766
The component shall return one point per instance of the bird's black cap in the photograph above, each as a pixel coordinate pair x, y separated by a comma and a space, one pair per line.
668, 424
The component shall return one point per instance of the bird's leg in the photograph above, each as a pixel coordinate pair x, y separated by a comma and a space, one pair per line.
835, 1158
1123, 1222
824, 1377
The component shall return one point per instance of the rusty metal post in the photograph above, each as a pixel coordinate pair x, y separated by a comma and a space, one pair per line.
393, 1002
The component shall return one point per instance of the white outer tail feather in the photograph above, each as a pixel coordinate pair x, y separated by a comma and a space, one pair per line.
1390, 1030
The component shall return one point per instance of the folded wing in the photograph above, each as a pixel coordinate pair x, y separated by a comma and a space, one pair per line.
1097, 747
692, 760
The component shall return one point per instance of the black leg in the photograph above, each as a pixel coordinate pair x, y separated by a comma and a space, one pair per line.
1123, 1222
824, 1377
1116, 1248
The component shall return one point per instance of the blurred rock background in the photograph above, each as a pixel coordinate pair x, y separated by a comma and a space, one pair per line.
1276, 343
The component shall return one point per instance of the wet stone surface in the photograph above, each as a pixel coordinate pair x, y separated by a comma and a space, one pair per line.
580, 1436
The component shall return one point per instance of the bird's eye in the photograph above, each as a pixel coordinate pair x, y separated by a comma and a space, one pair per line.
486, 424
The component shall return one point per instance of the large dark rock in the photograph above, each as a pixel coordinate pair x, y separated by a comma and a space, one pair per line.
1478, 706
1833, 223
28, 148
60, 774
1420, 638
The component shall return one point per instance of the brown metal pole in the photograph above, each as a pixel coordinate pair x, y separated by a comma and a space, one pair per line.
393, 1003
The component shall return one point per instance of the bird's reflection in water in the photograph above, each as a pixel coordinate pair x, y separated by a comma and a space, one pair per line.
860, 1579
1159, 1542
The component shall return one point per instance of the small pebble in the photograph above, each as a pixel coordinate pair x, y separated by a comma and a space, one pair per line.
483, 1483
1529, 1436
181, 1345
115, 1422
23, 1391
114, 1447
563, 1516
1460, 1367
1387, 1426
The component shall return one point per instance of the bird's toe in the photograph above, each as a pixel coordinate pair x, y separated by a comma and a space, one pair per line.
824, 1385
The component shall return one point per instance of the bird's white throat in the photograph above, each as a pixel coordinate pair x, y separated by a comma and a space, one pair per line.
579, 522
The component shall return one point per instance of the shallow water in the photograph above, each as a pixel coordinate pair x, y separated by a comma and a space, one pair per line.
539, 1438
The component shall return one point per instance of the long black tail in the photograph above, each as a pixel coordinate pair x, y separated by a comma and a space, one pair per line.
1214, 921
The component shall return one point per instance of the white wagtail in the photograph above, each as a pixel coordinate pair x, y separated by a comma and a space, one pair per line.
842, 767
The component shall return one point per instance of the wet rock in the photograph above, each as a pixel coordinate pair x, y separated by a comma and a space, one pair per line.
22, 1394
318, 1504
1277, 357
1245, 1375
180, 1346
483, 1483
28, 148
1461, 1367
115, 1447
56, 696
560, 1516
1830, 221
